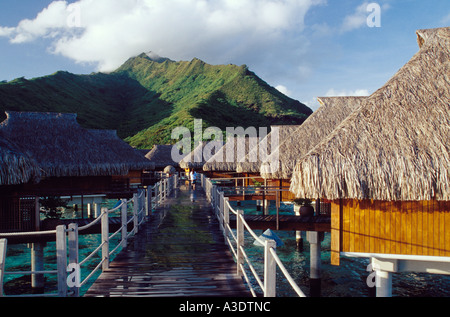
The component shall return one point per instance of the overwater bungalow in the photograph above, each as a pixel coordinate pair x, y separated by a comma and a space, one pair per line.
140, 168
200, 155
259, 154
278, 167
161, 156
71, 160
224, 163
386, 167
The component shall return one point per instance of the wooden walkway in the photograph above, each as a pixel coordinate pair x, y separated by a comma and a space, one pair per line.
179, 252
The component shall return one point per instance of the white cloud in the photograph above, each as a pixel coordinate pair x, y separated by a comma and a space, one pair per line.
446, 20
283, 90
343, 93
107, 32
357, 19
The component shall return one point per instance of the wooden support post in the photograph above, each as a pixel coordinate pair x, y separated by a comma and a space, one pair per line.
61, 259
124, 217
105, 239
135, 213
314, 239
270, 270
226, 218
240, 241
336, 220
37, 264
3, 245
97, 210
73, 257
149, 200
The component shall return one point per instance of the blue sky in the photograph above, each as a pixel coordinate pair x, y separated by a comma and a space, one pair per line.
306, 48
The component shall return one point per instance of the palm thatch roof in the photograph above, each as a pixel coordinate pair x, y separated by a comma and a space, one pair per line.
201, 154
16, 167
161, 156
60, 146
233, 152
280, 164
135, 159
264, 148
395, 147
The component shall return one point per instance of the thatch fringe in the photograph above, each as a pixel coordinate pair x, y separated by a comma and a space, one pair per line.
395, 147
15, 167
280, 164
61, 147
125, 154
161, 156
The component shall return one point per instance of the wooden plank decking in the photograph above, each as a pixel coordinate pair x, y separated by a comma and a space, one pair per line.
179, 252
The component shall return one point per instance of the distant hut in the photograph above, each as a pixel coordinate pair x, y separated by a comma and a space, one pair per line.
387, 166
264, 148
224, 162
60, 146
161, 156
138, 164
200, 155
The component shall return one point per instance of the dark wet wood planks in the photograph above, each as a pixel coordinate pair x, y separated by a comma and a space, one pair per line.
179, 252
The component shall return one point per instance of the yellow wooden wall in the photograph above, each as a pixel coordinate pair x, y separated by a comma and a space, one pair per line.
413, 228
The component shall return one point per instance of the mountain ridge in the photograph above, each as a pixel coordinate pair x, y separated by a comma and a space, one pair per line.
149, 95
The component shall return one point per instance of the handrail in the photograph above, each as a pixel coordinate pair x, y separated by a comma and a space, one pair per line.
69, 274
222, 208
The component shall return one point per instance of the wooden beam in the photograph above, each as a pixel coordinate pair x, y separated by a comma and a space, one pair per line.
336, 221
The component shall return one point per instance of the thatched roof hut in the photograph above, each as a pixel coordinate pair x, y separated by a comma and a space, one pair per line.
264, 148
395, 147
280, 164
16, 167
234, 151
60, 146
200, 155
161, 156
134, 158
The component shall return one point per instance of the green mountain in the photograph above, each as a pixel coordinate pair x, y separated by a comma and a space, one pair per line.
149, 95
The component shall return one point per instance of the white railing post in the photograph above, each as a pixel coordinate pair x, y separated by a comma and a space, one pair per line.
124, 223
3, 245
221, 208
270, 270
226, 217
149, 200
73, 257
240, 241
61, 259
105, 239
135, 213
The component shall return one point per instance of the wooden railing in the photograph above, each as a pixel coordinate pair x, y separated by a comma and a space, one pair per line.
68, 265
235, 240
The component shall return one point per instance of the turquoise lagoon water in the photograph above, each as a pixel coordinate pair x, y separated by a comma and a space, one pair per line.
346, 280
19, 259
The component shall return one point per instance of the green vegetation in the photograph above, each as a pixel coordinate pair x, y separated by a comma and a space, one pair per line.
145, 99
